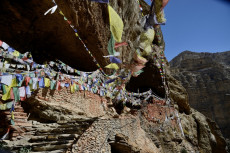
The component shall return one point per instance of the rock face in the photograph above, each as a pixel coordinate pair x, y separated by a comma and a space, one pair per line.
27, 29
206, 77
62, 121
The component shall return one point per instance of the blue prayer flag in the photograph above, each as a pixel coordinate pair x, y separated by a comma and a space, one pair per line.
115, 60
101, 1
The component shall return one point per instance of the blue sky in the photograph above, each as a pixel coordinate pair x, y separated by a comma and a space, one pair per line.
196, 25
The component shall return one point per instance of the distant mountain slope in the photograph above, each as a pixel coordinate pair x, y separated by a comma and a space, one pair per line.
206, 77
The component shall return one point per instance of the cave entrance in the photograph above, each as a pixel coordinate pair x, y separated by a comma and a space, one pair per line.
120, 148
149, 79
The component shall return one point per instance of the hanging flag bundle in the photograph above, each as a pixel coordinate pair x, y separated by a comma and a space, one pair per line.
114, 60
139, 64
159, 5
146, 40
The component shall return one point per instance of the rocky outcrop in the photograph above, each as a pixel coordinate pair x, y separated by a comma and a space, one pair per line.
86, 122
206, 77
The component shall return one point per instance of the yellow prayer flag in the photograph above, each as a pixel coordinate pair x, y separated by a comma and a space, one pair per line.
47, 82
14, 83
146, 40
6, 96
116, 24
112, 66
12, 115
72, 88
16, 53
61, 13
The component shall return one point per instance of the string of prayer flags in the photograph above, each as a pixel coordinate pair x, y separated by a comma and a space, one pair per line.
140, 7
101, 1
116, 24
51, 10
76, 33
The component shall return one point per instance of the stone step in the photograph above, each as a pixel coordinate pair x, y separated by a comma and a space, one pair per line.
18, 109
23, 124
15, 113
19, 120
55, 151
68, 125
43, 146
74, 130
17, 117
54, 137
51, 147
56, 142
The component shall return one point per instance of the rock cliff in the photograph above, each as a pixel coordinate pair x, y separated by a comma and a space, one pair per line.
206, 77
60, 121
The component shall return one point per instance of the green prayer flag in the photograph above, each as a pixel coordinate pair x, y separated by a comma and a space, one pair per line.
3, 89
12, 122
16, 94
53, 85
111, 45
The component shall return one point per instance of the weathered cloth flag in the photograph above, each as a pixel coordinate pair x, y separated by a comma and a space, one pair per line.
101, 1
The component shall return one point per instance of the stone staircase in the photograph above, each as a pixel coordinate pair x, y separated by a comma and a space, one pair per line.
39, 137
21, 127
49, 137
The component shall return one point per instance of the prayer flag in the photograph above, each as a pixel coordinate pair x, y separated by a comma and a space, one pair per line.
116, 24
115, 60
101, 1
5, 45
112, 66
51, 10
47, 82
10, 49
